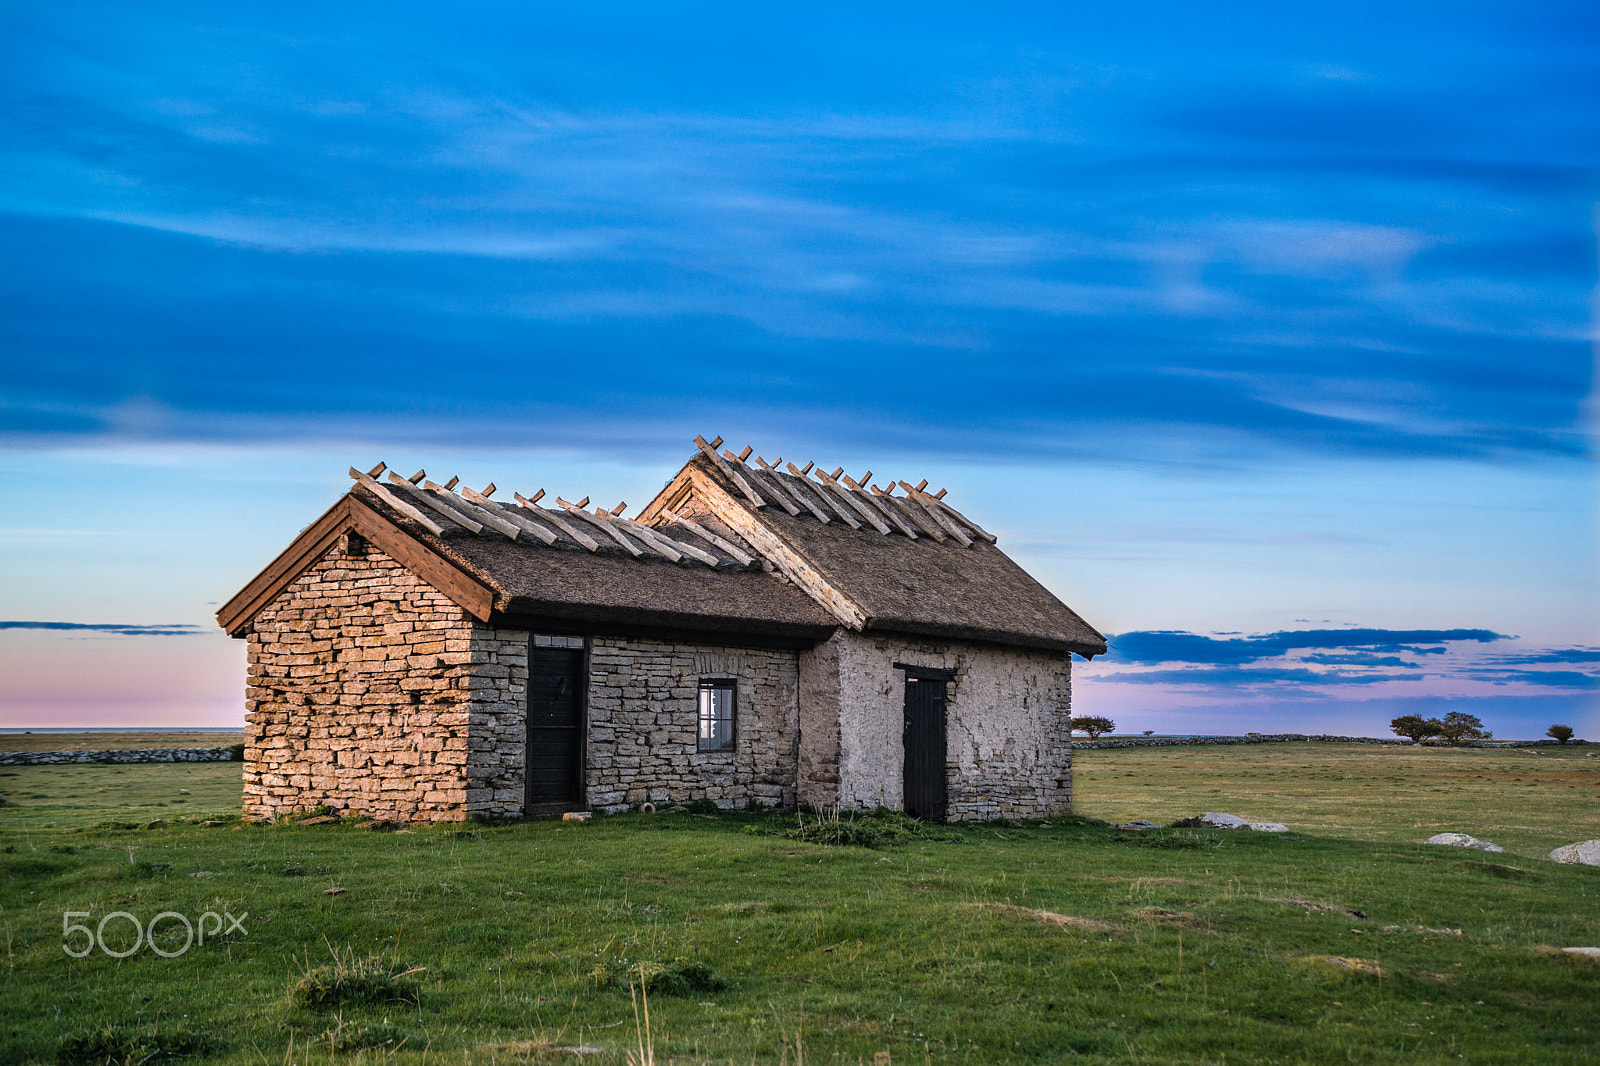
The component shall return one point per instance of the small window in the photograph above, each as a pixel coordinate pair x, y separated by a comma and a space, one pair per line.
716, 715
541, 640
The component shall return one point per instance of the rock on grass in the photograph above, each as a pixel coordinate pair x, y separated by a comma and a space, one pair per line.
1583, 853
1462, 840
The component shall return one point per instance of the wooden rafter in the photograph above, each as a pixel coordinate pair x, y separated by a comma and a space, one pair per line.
601, 524
368, 482
711, 538
770, 485
878, 505
931, 507
437, 504
650, 546
482, 515
512, 515
912, 513
833, 505
710, 452
770, 469
578, 536
843, 493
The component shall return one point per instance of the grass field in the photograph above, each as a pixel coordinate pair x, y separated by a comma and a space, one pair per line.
219, 738
1051, 942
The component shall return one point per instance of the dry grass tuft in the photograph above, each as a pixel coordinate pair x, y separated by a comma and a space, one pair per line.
1161, 914
1364, 967
1060, 921
1315, 905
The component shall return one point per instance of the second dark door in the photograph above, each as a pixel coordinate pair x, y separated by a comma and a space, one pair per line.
554, 769
924, 781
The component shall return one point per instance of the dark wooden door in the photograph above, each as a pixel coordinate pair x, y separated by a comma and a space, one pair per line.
555, 729
924, 747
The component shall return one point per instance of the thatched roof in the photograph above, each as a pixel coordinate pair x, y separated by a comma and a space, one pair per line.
727, 548
901, 583
609, 587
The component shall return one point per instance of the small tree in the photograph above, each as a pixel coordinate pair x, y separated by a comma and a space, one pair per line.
1415, 727
1458, 727
1094, 725
1563, 733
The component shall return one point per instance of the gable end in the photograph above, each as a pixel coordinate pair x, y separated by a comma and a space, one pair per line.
351, 514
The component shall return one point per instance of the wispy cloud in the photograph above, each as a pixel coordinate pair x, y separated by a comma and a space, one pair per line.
112, 628
1156, 646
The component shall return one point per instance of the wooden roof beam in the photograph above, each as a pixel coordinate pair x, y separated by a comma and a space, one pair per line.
481, 515
931, 507
601, 524
879, 506
617, 520
437, 504
733, 475
511, 515
833, 504
827, 479
800, 497
977, 530
914, 513
711, 538
368, 482
578, 536
469, 511
770, 487
673, 549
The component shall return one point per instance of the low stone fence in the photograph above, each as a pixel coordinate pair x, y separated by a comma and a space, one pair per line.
50, 758
1325, 738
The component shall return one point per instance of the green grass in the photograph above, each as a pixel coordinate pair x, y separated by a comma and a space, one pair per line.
1527, 800
1058, 942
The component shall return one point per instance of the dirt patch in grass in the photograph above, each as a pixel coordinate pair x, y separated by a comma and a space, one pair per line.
1317, 906
1345, 964
1161, 914
1060, 921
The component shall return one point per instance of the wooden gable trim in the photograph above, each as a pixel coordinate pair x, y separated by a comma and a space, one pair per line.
789, 562
312, 544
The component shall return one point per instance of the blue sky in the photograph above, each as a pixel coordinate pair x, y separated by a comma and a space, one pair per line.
1237, 320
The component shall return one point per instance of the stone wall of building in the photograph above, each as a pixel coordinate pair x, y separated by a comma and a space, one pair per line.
1008, 732
643, 725
497, 707
819, 726
361, 681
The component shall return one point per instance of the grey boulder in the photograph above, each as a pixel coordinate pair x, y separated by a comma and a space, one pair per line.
1217, 820
1139, 823
1583, 853
1462, 840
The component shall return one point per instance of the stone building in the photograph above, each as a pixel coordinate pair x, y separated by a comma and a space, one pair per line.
756, 636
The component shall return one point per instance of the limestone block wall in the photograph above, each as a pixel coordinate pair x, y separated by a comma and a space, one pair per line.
643, 721
1008, 732
497, 704
361, 681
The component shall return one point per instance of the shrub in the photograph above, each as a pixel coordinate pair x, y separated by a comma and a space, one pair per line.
1458, 727
1415, 728
354, 1036
680, 977
873, 829
1093, 724
236, 752
348, 980
117, 1044
1562, 733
